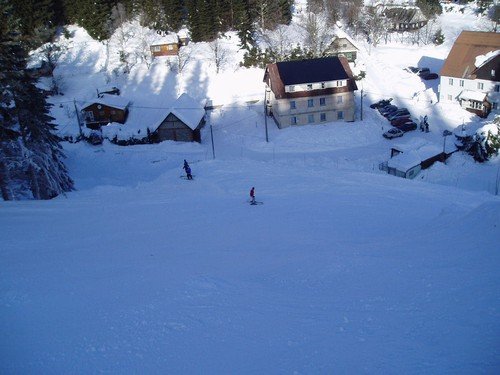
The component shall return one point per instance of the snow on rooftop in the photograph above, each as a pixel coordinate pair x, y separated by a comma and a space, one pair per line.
141, 118
188, 110
472, 95
483, 59
157, 39
404, 161
110, 101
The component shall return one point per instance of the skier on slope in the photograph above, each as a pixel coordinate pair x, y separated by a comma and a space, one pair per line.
252, 195
188, 173
187, 168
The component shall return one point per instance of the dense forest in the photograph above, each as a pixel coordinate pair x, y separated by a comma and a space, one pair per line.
204, 18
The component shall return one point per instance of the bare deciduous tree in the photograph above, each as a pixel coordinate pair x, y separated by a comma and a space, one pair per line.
220, 53
278, 41
317, 34
118, 18
183, 58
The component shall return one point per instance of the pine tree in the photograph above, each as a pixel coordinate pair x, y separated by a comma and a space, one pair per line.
30, 154
429, 8
37, 20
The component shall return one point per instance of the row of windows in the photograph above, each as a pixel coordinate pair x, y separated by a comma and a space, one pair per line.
310, 102
311, 118
311, 86
480, 85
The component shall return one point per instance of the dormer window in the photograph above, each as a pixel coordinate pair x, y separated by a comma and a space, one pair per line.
492, 72
323, 85
339, 83
309, 86
291, 88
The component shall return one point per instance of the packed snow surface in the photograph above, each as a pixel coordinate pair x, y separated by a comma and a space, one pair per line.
342, 269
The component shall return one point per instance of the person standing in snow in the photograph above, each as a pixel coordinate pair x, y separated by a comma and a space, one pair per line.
252, 195
188, 173
187, 168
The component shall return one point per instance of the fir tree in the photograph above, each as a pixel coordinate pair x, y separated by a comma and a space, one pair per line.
429, 8
37, 20
30, 154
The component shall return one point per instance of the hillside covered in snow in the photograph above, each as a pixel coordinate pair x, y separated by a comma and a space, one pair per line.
342, 269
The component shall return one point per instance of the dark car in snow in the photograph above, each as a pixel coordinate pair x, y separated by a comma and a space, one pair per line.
384, 111
402, 112
423, 71
429, 76
381, 103
407, 126
400, 120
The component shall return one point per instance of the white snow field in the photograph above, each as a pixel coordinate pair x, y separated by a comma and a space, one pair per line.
342, 270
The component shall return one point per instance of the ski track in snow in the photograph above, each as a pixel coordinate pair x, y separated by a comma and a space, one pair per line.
343, 269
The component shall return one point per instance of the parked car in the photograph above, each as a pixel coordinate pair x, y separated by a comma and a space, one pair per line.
381, 103
429, 76
407, 126
393, 133
423, 71
399, 113
400, 120
387, 109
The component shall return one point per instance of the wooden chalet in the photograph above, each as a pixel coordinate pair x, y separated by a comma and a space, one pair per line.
165, 45
104, 110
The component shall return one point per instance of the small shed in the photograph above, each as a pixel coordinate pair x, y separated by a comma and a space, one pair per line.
105, 109
183, 35
406, 165
165, 45
183, 122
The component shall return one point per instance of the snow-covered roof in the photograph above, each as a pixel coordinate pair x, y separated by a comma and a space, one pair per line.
472, 95
183, 33
110, 101
421, 148
483, 59
188, 110
339, 34
170, 38
404, 161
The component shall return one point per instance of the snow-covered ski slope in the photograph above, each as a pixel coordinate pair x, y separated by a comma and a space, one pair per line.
338, 272
344, 269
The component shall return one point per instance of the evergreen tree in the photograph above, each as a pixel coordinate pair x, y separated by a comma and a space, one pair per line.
37, 20
92, 15
30, 154
173, 14
429, 8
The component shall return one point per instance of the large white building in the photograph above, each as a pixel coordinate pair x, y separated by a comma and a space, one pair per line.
310, 91
470, 74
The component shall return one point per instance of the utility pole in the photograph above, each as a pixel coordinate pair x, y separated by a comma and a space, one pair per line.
265, 113
212, 136
78, 118
361, 104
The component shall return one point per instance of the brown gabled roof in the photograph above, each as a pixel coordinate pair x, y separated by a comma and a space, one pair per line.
468, 46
